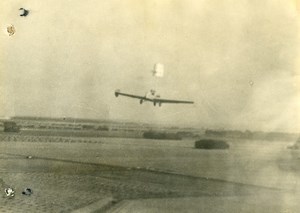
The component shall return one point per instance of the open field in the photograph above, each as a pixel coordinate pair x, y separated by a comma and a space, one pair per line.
142, 175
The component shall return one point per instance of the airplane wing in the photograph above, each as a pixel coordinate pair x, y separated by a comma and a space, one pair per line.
155, 101
118, 92
159, 100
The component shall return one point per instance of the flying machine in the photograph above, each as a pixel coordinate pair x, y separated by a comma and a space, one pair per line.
151, 96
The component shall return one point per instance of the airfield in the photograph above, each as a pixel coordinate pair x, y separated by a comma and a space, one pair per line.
107, 174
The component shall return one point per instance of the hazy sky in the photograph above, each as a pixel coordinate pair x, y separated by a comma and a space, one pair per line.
67, 58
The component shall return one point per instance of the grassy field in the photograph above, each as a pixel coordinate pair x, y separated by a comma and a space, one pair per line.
255, 162
259, 164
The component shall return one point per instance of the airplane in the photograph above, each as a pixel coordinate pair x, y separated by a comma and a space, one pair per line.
151, 96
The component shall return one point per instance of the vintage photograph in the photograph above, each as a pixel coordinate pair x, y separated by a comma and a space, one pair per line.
150, 106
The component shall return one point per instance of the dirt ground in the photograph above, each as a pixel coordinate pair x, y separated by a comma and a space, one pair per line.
147, 175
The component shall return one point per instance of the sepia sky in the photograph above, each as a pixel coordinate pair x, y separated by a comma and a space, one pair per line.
237, 59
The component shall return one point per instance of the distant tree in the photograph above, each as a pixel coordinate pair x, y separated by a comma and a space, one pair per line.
103, 128
211, 144
11, 126
161, 135
214, 133
88, 127
248, 134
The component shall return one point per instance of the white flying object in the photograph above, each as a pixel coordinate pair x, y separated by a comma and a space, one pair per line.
158, 70
152, 97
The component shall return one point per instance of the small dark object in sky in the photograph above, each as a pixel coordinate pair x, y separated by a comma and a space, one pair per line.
24, 12
27, 191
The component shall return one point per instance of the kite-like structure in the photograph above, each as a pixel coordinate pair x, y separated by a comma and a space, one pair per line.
158, 70
152, 96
